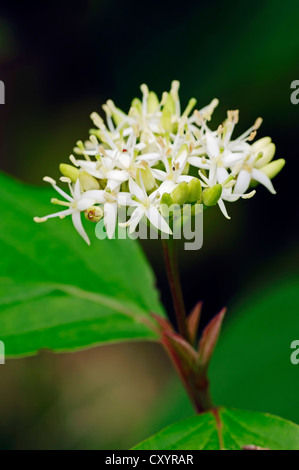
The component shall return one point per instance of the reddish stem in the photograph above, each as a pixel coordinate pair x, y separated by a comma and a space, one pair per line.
194, 378
170, 256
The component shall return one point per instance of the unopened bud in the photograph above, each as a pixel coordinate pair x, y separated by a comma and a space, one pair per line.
186, 169
94, 214
136, 104
211, 196
117, 117
273, 168
167, 113
166, 199
152, 102
165, 203
194, 188
87, 181
260, 144
170, 104
180, 193
147, 177
267, 153
69, 171
166, 120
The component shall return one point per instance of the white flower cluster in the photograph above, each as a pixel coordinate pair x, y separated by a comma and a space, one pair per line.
157, 154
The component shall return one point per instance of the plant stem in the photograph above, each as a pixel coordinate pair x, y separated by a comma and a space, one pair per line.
170, 256
201, 395
195, 380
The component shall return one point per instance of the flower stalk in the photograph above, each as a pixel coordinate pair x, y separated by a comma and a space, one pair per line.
171, 263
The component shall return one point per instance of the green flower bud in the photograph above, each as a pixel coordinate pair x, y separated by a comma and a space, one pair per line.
136, 103
273, 168
194, 188
170, 104
166, 199
94, 214
69, 171
211, 196
167, 113
180, 194
166, 120
152, 102
186, 169
165, 203
259, 145
87, 181
266, 155
147, 177
117, 118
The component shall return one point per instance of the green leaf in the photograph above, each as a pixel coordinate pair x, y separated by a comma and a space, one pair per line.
251, 367
58, 293
226, 429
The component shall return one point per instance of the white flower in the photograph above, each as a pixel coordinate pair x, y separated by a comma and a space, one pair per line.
104, 169
117, 165
262, 152
238, 155
76, 204
226, 182
110, 201
174, 172
218, 147
145, 206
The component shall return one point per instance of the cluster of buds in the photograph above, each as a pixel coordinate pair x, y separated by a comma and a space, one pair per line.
155, 155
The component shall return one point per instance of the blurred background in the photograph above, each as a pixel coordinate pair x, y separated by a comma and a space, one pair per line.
59, 62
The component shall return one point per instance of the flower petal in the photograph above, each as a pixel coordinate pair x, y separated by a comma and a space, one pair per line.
166, 187
125, 199
223, 208
263, 179
136, 190
76, 217
159, 174
110, 215
184, 178
85, 203
222, 174
242, 183
118, 175
157, 220
198, 162
97, 194
77, 190
135, 218
212, 144
231, 158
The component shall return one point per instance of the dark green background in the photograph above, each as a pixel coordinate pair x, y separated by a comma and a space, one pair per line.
59, 62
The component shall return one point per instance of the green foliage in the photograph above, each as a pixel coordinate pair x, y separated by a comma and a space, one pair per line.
58, 293
251, 367
229, 430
